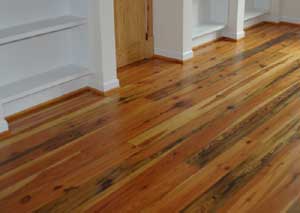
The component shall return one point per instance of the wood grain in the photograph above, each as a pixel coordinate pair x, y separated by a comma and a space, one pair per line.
220, 133
134, 30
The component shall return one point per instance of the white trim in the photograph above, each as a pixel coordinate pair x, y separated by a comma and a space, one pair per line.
39, 28
3, 125
3, 122
40, 82
200, 40
187, 55
20, 103
233, 35
41, 96
109, 85
167, 53
207, 29
255, 13
274, 19
254, 21
278, 19
290, 19
176, 55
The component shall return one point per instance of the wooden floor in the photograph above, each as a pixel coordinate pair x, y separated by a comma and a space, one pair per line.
220, 133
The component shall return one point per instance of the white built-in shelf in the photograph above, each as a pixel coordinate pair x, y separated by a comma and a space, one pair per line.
29, 30
253, 13
41, 82
206, 29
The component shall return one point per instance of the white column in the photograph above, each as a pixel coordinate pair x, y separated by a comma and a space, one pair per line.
3, 122
172, 20
102, 44
235, 26
187, 30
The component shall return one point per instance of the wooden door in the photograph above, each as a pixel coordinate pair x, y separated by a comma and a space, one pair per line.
133, 25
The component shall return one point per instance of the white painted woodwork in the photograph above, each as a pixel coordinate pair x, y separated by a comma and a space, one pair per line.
212, 19
51, 47
37, 28
3, 122
235, 25
39, 82
172, 20
256, 11
42, 87
253, 14
103, 51
209, 19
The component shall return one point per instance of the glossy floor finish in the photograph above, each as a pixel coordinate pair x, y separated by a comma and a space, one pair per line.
220, 133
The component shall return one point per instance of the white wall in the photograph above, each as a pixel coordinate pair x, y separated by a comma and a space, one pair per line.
201, 12
13, 12
219, 10
209, 11
290, 11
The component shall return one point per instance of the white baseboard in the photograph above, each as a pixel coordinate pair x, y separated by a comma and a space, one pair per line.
3, 125
290, 20
3, 122
167, 53
278, 19
274, 19
109, 85
187, 55
200, 40
254, 21
175, 55
233, 35
37, 97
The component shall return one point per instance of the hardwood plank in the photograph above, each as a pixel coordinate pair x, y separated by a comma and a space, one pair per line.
237, 178
181, 153
106, 178
219, 133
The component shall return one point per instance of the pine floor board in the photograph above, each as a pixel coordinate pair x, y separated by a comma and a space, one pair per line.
220, 133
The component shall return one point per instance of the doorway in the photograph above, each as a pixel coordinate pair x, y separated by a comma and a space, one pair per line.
134, 30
